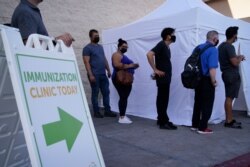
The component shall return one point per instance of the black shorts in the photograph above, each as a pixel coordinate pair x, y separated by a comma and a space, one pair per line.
232, 83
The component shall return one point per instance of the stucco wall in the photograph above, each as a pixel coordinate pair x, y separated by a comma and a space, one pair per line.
232, 8
76, 17
79, 16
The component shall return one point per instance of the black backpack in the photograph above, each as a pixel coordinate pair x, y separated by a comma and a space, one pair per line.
192, 73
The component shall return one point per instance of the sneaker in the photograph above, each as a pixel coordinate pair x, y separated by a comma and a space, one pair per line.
206, 131
109, 114
233, 124
165, 126
98, 115
193, 129
124, 120
168, 126
236, 122
172, 126
158, 122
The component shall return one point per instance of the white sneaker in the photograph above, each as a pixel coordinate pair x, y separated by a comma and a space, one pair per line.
124, 120
193, 129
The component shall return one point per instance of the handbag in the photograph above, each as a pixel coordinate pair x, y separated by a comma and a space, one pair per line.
124, 77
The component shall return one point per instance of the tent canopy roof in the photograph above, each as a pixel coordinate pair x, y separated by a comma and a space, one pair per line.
171, 7
187, 14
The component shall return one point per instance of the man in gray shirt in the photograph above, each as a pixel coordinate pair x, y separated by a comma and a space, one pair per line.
27, 18
96, 65
229, 65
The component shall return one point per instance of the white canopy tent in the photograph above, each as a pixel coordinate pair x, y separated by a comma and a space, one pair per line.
192, 19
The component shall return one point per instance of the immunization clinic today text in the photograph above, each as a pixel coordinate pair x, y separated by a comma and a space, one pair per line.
39, 78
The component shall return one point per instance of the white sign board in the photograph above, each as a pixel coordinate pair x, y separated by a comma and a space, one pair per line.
53, 108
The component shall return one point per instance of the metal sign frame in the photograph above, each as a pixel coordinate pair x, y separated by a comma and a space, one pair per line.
41, 47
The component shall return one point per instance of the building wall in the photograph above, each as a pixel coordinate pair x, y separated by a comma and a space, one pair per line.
76, 17
79, 16
232, 8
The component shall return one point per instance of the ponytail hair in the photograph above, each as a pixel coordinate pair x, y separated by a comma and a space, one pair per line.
121, 42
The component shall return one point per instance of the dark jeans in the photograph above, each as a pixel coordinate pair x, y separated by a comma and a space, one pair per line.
102, 83
203, 103
123, 91
162, 103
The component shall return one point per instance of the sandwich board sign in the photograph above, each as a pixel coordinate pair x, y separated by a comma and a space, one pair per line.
51, 101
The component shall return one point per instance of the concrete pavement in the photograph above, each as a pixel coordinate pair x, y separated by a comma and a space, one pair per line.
143, 144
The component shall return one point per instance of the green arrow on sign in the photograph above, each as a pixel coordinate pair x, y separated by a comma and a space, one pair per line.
65, 129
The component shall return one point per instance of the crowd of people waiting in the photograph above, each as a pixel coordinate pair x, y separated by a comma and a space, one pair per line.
28, 19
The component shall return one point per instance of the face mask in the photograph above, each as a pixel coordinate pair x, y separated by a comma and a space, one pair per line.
96, 39
236, 38
123, 50
173, 38
216, 43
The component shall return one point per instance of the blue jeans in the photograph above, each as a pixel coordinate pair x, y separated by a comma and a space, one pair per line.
101, 83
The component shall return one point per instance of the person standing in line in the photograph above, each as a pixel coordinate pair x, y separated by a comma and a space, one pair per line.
96, 66
205, 91
229, 65
159, 59
28, 19
121, 62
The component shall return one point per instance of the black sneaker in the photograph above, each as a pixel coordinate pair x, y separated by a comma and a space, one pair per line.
164, 127
172, 125
168, 126
110, 114
233, 124
98, 115
236, 122
158, 122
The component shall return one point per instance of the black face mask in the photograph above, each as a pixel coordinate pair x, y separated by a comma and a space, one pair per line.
235, 39
173, 38
96, 39
123, 50
216, 43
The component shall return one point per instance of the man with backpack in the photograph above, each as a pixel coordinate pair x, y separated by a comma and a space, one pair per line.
205, 90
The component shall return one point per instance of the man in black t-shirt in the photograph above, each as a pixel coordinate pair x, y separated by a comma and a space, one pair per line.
229, 65
159, 59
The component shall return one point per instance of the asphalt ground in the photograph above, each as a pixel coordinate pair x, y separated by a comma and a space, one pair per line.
143, 144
